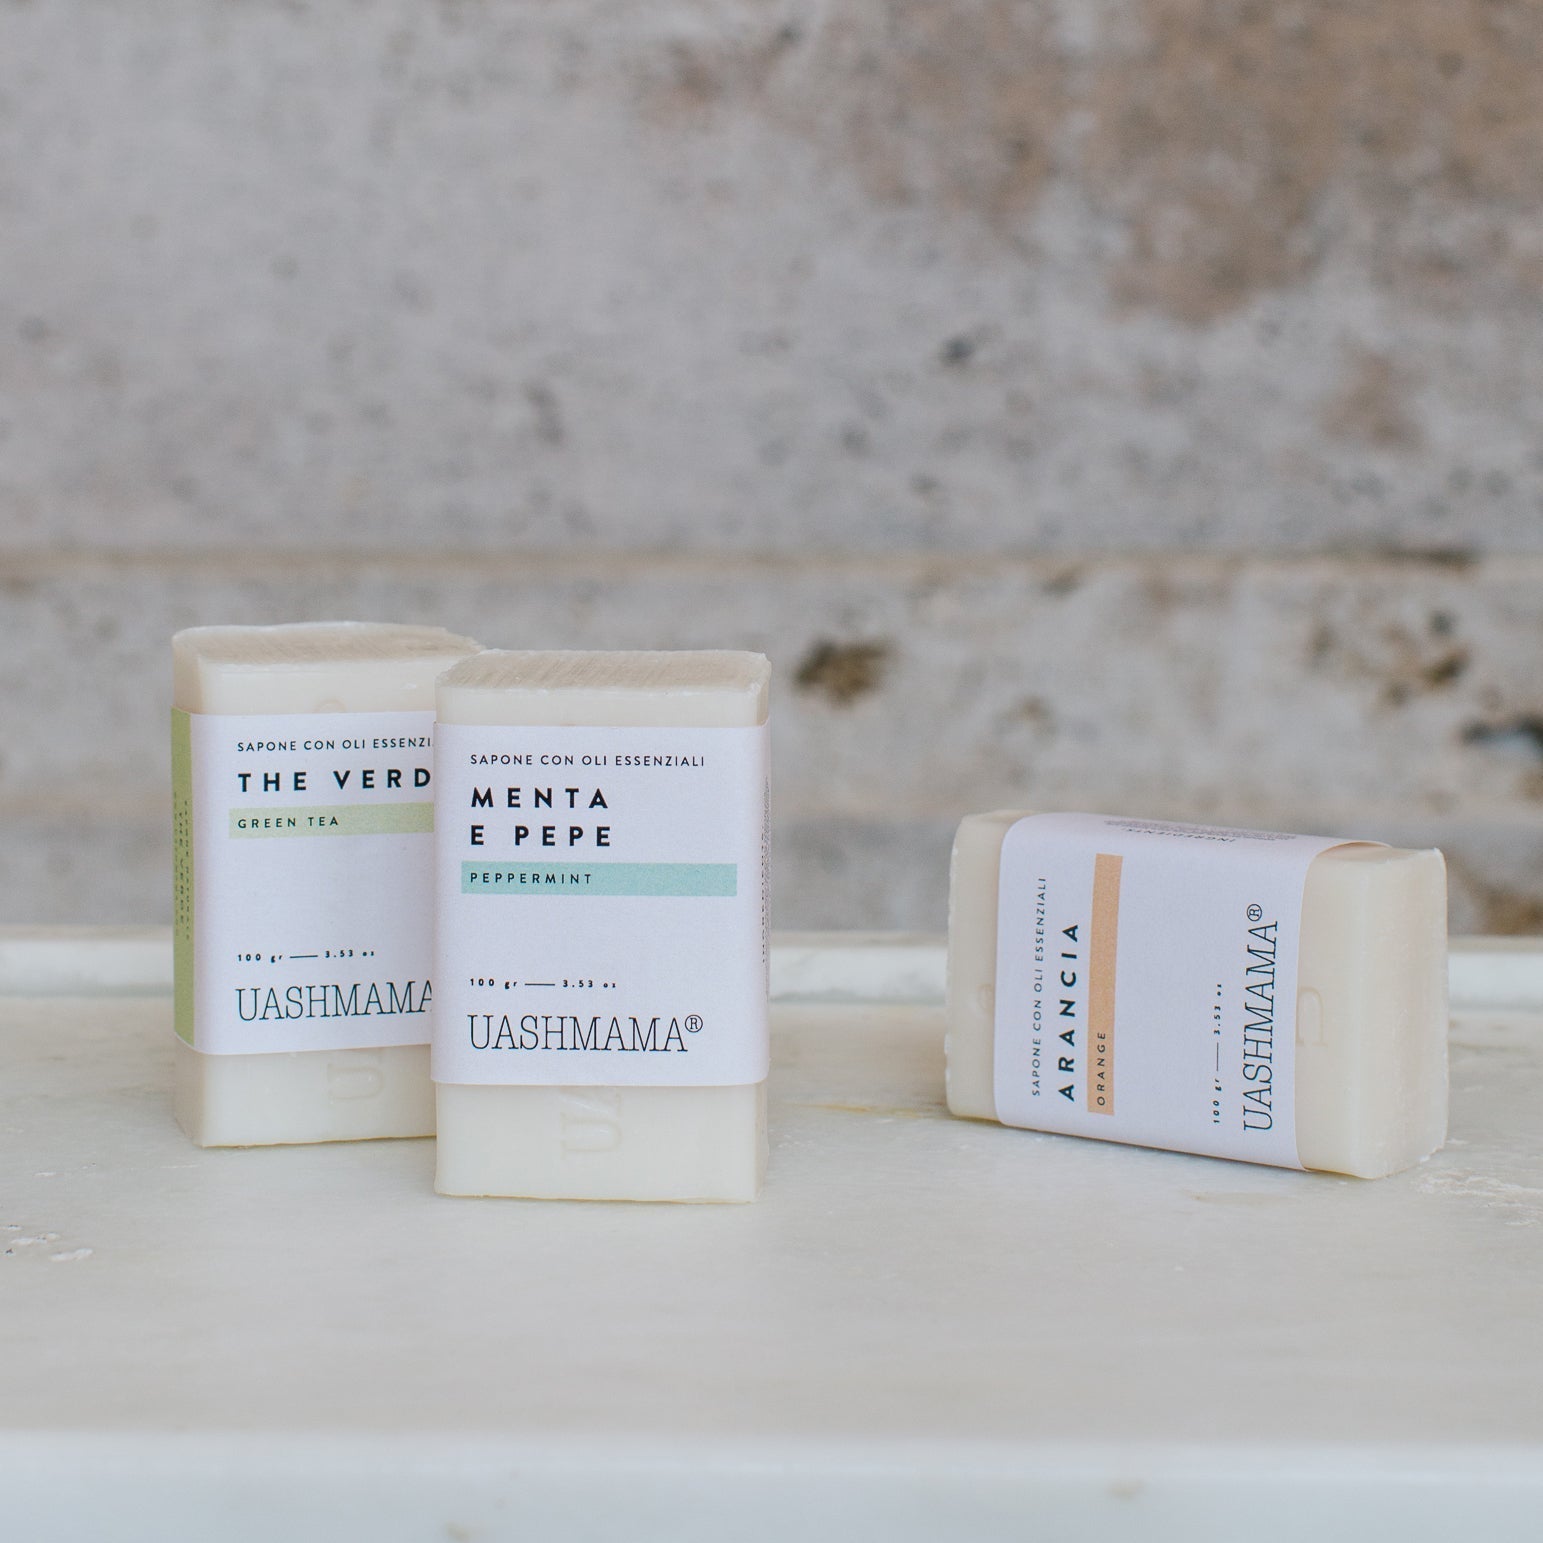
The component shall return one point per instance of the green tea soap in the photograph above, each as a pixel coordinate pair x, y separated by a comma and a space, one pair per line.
302, 760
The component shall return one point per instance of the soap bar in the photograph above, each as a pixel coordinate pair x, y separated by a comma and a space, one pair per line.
1342, 1025
302, 762
600, 1028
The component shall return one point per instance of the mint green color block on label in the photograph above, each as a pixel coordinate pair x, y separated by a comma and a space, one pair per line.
687, 880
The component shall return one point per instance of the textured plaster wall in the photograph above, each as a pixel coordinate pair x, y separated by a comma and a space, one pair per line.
1119, 403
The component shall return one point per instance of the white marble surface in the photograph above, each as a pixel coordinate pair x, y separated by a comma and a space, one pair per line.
234, 1343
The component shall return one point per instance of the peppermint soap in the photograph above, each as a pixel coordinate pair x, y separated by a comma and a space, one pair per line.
600, 1018
1243, 994
302, 761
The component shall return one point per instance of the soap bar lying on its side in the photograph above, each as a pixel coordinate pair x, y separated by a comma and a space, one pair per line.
601, 1018
1370, 1068
318, 673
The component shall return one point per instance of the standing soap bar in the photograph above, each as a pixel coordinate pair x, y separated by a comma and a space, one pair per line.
302, 760
600, 1019
1243, 994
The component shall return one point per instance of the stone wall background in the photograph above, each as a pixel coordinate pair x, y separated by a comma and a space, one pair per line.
1130, 404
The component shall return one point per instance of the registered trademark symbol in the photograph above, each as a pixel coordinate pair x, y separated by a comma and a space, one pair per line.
693, 1024
1254, 913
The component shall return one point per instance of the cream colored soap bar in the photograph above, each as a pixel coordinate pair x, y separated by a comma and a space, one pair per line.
1371, 1022
307, 1095
619, 1141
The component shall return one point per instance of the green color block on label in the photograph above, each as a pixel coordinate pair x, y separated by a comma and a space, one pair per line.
182, 872
691, 880
334, 820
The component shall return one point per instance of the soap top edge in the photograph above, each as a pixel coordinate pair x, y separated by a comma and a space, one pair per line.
658, 671
318, 645
1351, 848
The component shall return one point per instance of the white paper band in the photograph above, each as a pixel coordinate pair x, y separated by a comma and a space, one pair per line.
1146, 983
601, 906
